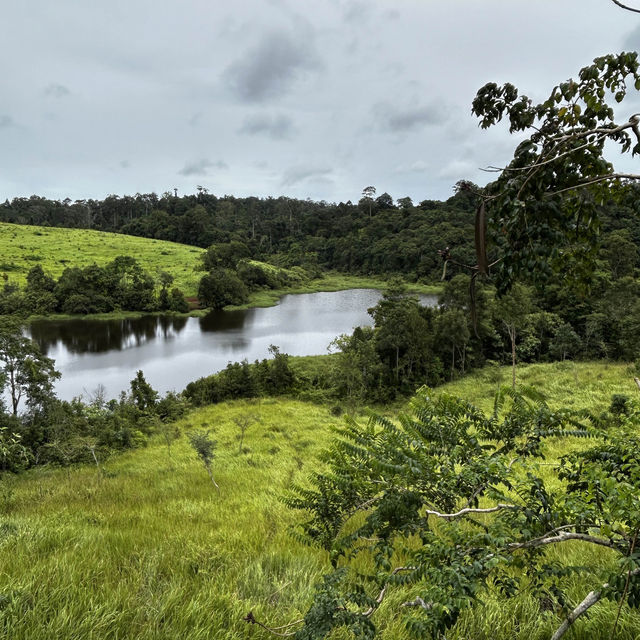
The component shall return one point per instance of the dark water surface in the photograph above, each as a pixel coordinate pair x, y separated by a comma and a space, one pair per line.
173, 351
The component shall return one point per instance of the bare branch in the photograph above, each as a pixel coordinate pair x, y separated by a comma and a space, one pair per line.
383, 593
609, 176
462, 512
541, 163
562, 536
591, 599
624, 6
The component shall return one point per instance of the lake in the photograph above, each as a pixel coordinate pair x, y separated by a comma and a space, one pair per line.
172, 351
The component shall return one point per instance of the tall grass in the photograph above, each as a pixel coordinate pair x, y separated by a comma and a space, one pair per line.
149, 549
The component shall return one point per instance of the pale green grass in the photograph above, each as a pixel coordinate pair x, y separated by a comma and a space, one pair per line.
577, 385
23, 246
150, 550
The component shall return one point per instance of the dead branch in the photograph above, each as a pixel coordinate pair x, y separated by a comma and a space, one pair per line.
465, 511
592, 598
383, 592
280, 631
418, 602
637, 382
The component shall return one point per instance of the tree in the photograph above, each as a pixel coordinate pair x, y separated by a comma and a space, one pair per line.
454, 332
143, 395
402, 337
39, 296
224, 255
445, 504
368, 194
512, 310
542, 211
357, 368
565, 343
243, 422
221, 287
204, 446
25, 371
621, 253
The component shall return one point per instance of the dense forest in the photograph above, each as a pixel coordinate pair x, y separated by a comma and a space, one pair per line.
377, 235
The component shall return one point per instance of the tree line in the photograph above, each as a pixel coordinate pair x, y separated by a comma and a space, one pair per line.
122, 284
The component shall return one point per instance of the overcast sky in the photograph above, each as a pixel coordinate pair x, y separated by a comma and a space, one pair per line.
305, 98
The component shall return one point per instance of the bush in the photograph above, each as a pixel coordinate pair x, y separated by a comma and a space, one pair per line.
220, 288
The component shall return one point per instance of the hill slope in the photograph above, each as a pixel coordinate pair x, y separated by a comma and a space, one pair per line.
23, 246
148, 549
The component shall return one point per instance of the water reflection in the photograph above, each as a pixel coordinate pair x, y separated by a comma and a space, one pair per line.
99, 336
172, 351
226, 320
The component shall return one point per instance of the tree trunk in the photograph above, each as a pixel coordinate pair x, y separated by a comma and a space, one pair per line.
453, 359
512, 335
15, 395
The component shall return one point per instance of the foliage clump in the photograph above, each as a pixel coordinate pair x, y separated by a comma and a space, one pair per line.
447, 503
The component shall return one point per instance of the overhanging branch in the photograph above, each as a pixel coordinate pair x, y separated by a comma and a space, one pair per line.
609, 176
624, 6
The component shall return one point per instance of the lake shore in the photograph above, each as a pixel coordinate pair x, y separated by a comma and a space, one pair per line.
260, 299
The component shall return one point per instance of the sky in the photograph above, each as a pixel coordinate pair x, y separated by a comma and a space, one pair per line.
304, 98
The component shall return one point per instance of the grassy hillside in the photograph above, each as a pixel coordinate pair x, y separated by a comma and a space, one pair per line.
148, 549
23, 246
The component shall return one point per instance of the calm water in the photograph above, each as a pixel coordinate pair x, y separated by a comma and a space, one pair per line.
174, 351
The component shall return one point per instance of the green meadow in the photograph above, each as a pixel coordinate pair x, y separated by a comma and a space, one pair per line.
145, 547
23, 246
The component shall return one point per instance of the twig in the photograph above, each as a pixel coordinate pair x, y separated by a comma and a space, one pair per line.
610, 176
624, 6
250, 619
626, 587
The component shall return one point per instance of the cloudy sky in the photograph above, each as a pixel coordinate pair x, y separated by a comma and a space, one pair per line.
306, 98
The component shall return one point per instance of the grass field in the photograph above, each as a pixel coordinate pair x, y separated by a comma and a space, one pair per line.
148, 549
23, 246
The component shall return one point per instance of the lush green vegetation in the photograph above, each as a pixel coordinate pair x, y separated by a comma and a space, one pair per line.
24, 246
449, 519
121, 285
70, 274
146, 547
